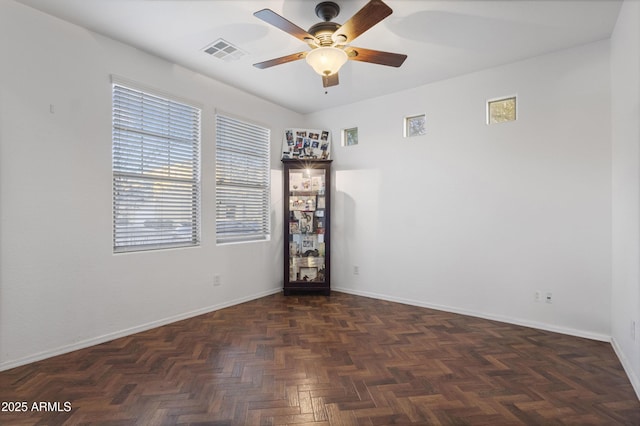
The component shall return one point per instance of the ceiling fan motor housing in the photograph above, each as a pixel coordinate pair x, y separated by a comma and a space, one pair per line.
327, 10
322, 31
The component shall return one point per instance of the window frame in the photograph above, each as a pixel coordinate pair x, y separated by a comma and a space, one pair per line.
243, 197
156, 170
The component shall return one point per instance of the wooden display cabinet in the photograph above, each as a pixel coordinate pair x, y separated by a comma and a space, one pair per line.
307, 214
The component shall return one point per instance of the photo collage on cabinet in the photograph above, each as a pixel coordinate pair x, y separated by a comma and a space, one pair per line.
307, 224
307, 144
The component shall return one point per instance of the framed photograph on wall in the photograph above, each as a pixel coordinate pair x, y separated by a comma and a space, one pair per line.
350, 136
502, 110
415, 125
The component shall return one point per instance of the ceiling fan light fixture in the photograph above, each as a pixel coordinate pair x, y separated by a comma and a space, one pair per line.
327, 60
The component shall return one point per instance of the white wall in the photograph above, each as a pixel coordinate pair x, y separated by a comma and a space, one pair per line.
474, 218
625, 108
468, 218
61, 287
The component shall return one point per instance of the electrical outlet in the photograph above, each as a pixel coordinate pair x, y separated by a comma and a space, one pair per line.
356, 270
537, 296
217, 280
548, 297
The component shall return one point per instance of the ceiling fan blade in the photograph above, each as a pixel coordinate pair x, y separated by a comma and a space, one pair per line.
281, 60
375, 56
330, 80
270, 17
372, 13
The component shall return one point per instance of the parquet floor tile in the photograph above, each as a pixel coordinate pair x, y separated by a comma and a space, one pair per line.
338, 360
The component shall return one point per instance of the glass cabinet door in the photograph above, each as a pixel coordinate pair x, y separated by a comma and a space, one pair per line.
306, 204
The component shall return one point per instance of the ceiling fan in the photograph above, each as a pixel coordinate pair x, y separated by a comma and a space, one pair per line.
329, 40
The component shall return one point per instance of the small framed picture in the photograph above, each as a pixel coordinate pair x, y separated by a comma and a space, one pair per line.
302, 203
293, 249
308, 274
305, 221
415, 125
309, 243
350, 136
294, 227
502, 110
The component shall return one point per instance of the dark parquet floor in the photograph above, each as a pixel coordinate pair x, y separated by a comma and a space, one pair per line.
338, 360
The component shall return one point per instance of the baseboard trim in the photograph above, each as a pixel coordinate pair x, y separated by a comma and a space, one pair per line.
484, 315
7, 365
634, 379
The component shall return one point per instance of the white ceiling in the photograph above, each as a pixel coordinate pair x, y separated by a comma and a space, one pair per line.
442, 39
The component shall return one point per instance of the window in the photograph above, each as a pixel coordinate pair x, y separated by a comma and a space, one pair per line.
242, 181
156, 172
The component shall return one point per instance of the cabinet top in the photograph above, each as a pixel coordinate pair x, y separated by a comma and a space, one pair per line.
304, 161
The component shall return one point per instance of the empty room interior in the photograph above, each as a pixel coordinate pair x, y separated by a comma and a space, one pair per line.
468, 251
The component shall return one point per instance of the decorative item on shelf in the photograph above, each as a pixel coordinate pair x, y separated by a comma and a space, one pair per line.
308, 274
305, 221
302, 203
293, 249
294, 227
307, 144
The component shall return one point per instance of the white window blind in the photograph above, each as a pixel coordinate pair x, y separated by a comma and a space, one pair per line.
156, 172
242, 181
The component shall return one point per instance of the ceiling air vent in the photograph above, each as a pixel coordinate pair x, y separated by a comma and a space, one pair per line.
224, 50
